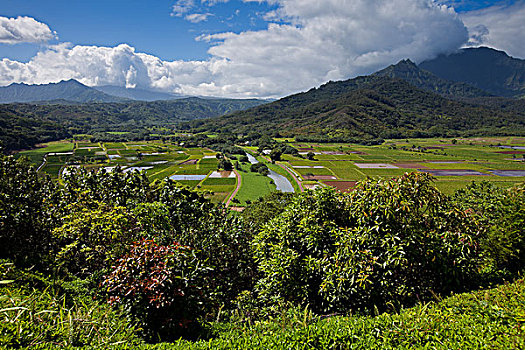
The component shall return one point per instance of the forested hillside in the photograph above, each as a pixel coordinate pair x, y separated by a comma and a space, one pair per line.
18, 132
32, 123
369, 108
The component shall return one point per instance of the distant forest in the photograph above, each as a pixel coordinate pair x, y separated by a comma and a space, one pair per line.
25, 125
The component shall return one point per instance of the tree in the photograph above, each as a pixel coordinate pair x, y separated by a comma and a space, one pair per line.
225, 164
260, 168
395, 241
500, 214
92, 236
25, 224
310, 156
275, 155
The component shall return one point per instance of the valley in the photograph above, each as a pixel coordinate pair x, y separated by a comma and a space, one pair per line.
453, 162
382, 211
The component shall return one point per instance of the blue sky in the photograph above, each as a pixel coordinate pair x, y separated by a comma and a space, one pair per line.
239, 48
148, 26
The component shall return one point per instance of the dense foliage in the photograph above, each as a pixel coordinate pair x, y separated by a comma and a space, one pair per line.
387, 242
20, 132
24, 223
24, 125
501, 216
169, 261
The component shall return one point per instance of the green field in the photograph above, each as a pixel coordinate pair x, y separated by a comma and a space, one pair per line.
253, 185
482, 155
160, 161
37, 155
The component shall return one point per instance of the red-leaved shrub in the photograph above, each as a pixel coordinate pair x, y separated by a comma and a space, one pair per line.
160, 285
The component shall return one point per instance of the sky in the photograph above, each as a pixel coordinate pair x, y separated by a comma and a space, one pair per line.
240, 48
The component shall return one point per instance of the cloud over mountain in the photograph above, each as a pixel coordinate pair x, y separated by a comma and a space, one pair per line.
308, 43
24, 30
500, 26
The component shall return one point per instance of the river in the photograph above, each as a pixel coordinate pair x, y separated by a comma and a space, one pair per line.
281, 182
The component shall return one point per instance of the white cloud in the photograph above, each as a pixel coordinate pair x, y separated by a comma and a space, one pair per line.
337, 39
501, 27
324, 40
198, 17
182, 7
24, 30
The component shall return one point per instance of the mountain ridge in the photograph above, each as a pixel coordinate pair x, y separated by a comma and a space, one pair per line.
137, 94
410, 72
369, 107
67, 90
485, 68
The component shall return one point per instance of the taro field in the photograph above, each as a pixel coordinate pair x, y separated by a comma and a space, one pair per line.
193, 167
453, 162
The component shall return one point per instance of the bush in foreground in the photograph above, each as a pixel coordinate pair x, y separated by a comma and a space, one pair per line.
160, 285
388, 243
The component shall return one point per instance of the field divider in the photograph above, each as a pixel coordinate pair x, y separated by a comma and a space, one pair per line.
359, 170
228, 199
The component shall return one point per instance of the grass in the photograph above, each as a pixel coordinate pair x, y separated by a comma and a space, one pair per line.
190, 183
218, 188
253, 185
42, 319
314, 171
114, 145
473, 154
117, 132
486, 319
37, 155
52, 170
215, 181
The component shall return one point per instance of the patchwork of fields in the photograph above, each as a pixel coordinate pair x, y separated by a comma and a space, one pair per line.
194, 167
454, 163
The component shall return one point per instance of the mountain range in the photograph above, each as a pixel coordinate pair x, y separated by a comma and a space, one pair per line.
137, 94
467, 73
402, 100
70, 91
484, 68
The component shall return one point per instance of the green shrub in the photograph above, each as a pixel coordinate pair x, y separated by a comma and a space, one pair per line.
386, 243
91, 236
500, 213
260, 168
264, 209
25, 233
